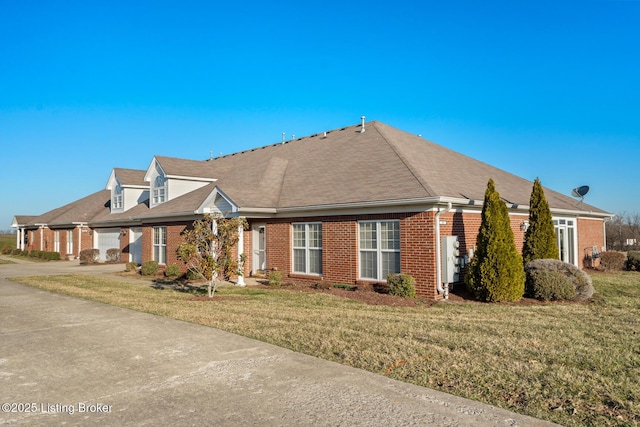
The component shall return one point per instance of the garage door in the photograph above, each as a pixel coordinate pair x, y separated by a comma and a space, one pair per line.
107, 238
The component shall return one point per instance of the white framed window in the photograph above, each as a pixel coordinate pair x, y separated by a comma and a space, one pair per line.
69, 241
56, 241
116, 202
379, 249
160, 244
307, 248
159, 189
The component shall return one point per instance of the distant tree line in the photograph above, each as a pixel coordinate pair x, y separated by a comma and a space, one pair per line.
623, 232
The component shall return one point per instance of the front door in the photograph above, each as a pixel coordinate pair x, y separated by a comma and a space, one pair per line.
135, 245
259, 248
565, 235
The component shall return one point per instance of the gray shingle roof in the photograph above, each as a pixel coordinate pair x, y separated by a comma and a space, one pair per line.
131, 177
82, 210
343, 167
381, 164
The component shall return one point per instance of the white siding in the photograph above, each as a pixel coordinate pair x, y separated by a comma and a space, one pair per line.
178, 187
134, 196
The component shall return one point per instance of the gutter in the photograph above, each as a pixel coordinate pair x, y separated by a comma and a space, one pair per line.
439, 287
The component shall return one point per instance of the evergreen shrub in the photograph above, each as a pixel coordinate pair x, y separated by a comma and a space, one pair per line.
540, 237
131, 266
496, 272
612, 260
552, 279
275, 278
633, 260
193, 275
172, 270
149, 268
402, 285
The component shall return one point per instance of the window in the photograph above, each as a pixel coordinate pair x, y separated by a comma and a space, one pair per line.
56, 241
159, 187
160, 244
307, 248
69, 241
116, 202
379, 243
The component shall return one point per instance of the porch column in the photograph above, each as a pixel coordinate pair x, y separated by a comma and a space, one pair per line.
18, 234
240, 254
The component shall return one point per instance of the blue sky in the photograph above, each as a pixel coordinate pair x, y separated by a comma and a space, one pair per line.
547, 89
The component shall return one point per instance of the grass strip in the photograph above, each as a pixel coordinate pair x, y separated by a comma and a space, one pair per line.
573, 364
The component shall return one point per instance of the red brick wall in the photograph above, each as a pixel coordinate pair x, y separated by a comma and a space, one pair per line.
340, 245
174, 238
278, 241
340, 250
590, 233
87, 239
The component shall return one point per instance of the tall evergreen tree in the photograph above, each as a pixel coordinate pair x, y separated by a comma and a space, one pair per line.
496, 272
540, 238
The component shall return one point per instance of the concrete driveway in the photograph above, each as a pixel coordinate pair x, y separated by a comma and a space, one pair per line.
68, 361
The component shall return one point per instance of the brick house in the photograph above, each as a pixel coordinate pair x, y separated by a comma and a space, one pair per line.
345, 206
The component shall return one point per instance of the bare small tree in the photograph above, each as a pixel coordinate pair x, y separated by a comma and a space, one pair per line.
208, 249
623, 232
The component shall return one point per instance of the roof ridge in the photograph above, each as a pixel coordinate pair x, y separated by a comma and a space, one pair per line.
404, 160
322, 134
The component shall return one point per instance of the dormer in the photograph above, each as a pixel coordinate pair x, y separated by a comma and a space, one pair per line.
169, 178
128, 189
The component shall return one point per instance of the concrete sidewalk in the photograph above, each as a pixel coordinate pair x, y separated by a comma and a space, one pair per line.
68, 361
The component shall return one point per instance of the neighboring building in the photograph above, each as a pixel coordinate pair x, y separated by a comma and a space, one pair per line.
346, 206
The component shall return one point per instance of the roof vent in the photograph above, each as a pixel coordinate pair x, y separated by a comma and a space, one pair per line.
362, 126
283, 137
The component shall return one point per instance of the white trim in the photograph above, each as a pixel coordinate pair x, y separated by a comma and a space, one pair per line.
255, 246
191, 178
240, 253
208, 205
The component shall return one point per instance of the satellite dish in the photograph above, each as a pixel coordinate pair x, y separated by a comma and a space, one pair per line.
580, 192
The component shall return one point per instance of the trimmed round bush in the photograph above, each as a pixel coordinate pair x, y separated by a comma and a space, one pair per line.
6, 249
113, 255
193, 275
149, 268
552, 279
172, 270
612, 260
131, 266
402, 285
89, 256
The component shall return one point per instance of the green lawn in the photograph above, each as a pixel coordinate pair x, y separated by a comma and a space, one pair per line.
574, 364
8, 239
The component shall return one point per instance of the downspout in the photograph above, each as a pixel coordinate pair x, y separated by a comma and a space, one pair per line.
438, 248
